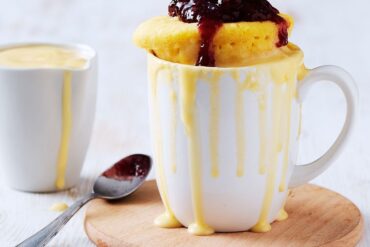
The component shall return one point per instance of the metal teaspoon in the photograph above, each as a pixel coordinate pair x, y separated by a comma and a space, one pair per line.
119, 181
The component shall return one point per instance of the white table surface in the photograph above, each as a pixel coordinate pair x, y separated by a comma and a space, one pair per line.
330, 32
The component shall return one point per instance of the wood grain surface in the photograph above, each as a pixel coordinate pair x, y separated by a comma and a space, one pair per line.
317, 217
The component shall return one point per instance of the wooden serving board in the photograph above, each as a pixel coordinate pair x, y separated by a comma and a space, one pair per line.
317, 217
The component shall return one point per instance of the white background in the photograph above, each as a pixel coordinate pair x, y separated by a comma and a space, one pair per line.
330, 32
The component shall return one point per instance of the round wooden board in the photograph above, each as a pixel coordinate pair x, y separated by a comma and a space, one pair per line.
317, 217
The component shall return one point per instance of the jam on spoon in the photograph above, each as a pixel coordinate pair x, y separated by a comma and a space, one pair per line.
128, 168
211, 14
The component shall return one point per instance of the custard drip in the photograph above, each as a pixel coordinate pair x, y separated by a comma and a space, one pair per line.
59, 207
188, 91
282, 215
240, 125
173, 127
284, 76
274, 86
300, 123
272, 160
66, 130
288, 98
214, 124
167, 219
262, 100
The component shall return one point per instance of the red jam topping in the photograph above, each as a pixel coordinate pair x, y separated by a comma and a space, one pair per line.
136, 165
211, 14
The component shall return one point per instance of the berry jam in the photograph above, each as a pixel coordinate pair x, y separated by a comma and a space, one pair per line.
136, 165
211, 14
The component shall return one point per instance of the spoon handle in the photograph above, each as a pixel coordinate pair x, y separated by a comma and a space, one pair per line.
42, 237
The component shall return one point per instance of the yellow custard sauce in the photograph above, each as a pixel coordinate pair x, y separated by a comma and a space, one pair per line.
42, 56
59, 207
51, 57
274, 79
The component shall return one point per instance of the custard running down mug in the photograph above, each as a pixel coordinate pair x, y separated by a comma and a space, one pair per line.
225, 140
46, 119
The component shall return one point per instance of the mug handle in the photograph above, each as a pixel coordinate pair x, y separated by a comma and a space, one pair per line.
304, 173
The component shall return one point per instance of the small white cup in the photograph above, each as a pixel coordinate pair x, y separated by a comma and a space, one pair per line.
31, 116
226, 140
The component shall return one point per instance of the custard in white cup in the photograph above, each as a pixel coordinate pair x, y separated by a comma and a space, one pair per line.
226, 139
47, 99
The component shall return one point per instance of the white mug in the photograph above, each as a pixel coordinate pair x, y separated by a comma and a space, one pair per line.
43, 142
226, 140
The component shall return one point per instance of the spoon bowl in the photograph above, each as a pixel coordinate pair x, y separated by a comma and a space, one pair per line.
123, 178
